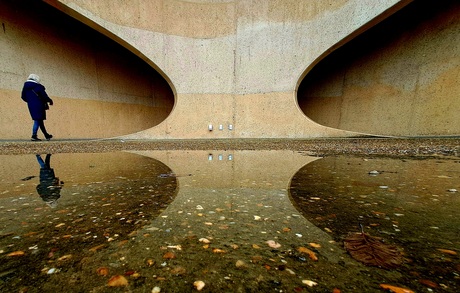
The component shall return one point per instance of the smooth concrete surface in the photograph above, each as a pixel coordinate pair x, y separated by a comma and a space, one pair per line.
400, 76
99, 88
230, 62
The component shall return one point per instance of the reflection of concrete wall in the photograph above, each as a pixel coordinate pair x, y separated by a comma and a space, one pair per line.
400, 78
224, 169
100, 89
253, 183
232, 62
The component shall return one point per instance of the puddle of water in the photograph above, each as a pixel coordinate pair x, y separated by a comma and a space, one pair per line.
239, 221
412, 203
59, 210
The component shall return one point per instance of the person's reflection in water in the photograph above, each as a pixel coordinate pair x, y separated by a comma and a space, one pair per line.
50, 187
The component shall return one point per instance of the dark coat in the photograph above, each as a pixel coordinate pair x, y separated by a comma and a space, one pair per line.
37, 100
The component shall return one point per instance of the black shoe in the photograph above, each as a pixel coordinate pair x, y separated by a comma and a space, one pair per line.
35, 138
48, 136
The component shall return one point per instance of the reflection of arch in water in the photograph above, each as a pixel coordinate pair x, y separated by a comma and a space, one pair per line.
129, 179
107, 198
340, 192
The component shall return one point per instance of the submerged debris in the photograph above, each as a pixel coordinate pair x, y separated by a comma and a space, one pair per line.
372, 251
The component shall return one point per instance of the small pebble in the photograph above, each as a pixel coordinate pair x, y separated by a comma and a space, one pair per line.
199, 285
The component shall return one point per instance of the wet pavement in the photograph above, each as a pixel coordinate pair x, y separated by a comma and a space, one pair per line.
233, 221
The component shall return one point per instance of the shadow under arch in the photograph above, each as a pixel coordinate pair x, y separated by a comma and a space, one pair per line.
393, 77
102, 86
84, 20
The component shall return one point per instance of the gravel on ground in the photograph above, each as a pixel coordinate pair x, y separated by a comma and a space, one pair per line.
327, 146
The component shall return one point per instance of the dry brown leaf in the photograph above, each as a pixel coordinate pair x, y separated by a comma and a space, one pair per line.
428, 283
169, 255
448, 251
310, 253
117, 281
395, 289
65, 257
96, 248
16, 253
372, 251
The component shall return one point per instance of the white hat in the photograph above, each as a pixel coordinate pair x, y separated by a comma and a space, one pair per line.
33, 77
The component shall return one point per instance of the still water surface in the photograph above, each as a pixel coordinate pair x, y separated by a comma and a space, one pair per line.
240, 221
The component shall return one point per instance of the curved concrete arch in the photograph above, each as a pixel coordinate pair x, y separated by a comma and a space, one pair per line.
94, 25
375, 21
397, 78
99, 87
241, 74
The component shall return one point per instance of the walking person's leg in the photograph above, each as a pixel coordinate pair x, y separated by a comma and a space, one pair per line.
43, 129
35, 130
40, 162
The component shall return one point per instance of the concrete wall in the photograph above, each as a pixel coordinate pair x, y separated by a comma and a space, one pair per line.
233, 62
100, 89
399, 78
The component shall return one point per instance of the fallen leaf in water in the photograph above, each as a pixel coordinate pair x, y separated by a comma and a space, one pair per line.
178, 271
130, 273
16, 253
428, 283
372, 251
447, 251
96, 248
117, 281
395, 289
169, 255
65, 257
310, 253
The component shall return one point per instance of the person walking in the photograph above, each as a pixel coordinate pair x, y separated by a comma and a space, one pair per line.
34, 94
